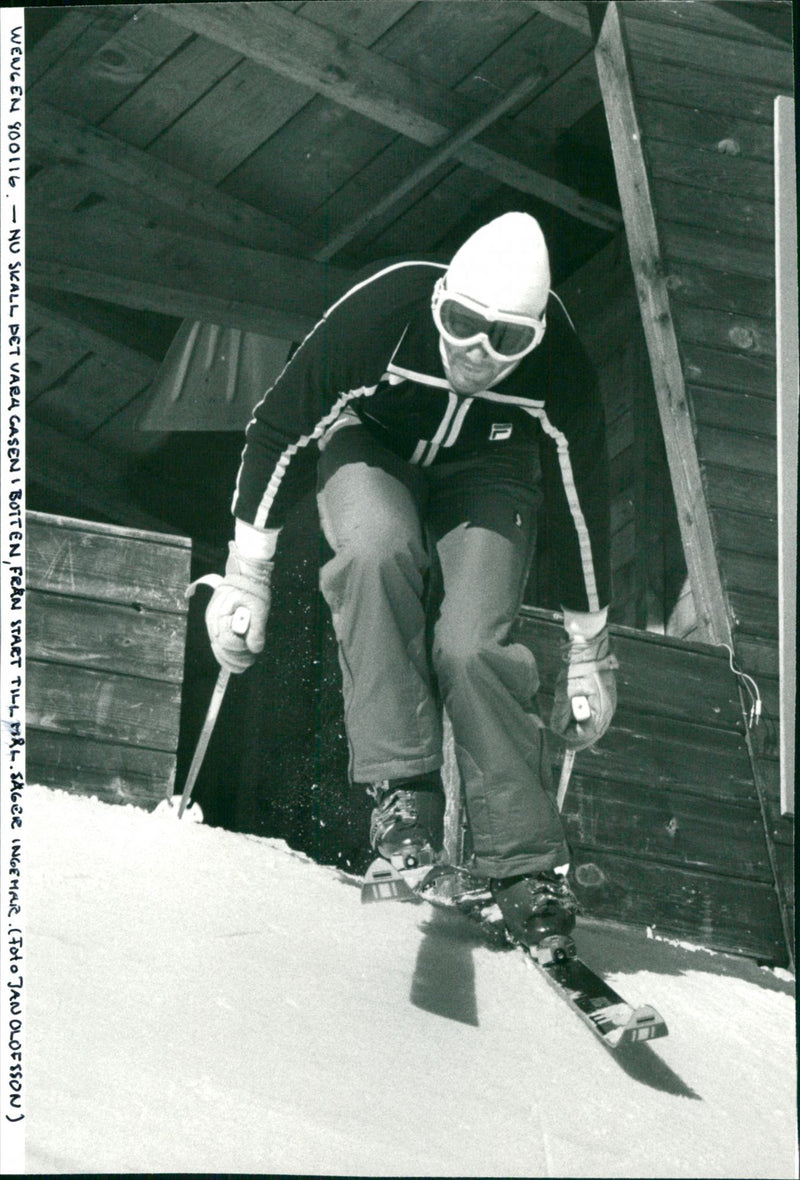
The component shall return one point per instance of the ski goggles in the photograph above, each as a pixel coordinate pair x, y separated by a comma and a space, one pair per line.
505, 335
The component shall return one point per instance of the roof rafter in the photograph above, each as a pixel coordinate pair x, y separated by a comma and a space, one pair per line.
381, 90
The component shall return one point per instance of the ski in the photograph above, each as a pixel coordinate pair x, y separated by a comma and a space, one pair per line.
610, 1017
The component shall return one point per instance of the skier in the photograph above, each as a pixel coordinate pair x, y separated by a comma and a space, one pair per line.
442, 406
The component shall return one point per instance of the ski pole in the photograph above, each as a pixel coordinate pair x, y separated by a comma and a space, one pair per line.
239, 626
581, 712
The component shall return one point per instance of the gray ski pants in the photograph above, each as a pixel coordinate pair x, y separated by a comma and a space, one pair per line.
385, 520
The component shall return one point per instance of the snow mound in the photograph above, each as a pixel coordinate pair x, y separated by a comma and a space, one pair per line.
206, 1001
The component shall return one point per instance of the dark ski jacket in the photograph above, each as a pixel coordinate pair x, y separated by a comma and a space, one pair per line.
375, 354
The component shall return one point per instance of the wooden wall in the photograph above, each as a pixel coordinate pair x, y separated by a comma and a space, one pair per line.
662, 814
689, 91
106, 626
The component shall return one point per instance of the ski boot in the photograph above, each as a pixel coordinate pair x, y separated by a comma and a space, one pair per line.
536, 906
407, 821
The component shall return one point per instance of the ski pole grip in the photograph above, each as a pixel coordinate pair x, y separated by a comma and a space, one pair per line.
580, 709
240, 623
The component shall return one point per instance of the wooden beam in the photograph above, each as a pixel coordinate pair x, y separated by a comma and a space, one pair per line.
567, 12
119, 354
435, 160
385, 92
643, 243
118, 260
57, 136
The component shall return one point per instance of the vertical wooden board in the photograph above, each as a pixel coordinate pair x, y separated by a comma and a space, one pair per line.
114, 773
104, 637
66, 557
125, 709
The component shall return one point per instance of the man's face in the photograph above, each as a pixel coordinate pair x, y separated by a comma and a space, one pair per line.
470, 368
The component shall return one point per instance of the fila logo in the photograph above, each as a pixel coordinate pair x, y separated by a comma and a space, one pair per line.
500, 431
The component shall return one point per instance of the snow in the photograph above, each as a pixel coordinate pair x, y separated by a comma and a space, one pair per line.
201, 1000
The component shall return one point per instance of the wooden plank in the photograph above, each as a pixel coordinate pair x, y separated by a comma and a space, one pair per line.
369, 83
746, 452
571, 13
83, 399
410, 183
114, 773
663, 754
63, 137
230, 120
743, 334
712, 18
740, 531
750, 415
711, 369
743, 571
668, 679
105, 637
759, 657
732, 96
77, 701
659, 328
308, 159
79, 336
416, 42
171, 90
702, 287
129, 567
725, 173
363, 23
741, 491
743, 146
273, 294
51, 48
754, 614
71, 43
682, 830
50, 354
702, 207
87, 478
707, 246
717, 55
98, 83
722, 913
426, 221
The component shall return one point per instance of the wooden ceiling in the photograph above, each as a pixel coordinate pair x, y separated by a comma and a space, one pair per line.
239, 163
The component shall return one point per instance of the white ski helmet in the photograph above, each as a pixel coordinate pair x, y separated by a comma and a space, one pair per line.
504, 265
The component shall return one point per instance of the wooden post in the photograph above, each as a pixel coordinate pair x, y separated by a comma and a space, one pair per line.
643, 244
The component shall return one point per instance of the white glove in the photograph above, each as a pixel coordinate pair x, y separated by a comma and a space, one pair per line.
246, 584
589, 673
